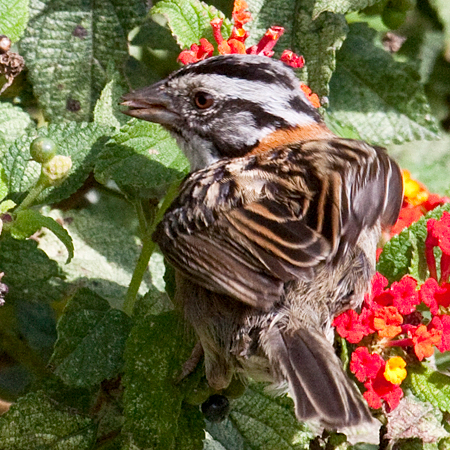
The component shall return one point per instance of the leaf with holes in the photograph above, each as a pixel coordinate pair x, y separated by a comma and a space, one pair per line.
68, 45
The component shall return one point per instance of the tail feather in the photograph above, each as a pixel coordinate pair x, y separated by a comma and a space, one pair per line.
318, 384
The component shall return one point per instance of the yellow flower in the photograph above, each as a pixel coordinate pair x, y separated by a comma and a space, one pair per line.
395, 371
415, 193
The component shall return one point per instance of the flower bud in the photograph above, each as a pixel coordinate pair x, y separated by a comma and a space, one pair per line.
56, 170
5, 43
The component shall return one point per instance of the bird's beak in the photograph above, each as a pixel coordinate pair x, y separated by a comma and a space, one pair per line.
151, 104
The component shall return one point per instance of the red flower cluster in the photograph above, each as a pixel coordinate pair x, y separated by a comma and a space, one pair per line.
417, 202
375, 373
391, 312
236, 44
438, 236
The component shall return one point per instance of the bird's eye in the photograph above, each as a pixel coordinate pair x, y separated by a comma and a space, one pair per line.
203, 100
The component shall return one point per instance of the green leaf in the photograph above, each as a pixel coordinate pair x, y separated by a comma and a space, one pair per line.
3, 184
191, 428
91, 340
380, 98
106, 249
260, 422
405, 253
442, 8
142, 159
430, 386
341, 6
29, 272
189, 20
428, 161
36, 422
68, 45
415, 419
6, 206
155, 351
154, 53
13, 18
80, 141
317, 40
107, 110
29, 221
13, 123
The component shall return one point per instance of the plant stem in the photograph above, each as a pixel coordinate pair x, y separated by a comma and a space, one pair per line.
148, 246
33, 194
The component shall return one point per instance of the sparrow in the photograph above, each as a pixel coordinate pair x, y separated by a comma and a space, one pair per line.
274, 231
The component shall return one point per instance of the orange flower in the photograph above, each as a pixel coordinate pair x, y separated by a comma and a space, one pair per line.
310, 95
415, 193
239, 14
387, 321
424, 339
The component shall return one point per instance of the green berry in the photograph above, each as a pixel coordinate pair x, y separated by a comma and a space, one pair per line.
393, 19
199, 394
236, 389
43, 149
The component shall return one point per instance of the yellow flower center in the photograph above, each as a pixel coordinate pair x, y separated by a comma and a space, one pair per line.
395, 371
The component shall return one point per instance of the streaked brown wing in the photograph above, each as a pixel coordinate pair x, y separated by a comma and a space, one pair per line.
244, 227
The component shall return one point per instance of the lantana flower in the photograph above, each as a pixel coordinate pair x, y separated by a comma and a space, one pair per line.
438, 236
424, 338
378, 389
389, 319
417, 201
395, 371
235, 44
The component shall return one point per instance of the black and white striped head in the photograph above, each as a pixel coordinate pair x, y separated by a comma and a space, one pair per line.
224, 106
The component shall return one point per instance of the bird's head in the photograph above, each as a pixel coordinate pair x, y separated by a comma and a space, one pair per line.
228, 106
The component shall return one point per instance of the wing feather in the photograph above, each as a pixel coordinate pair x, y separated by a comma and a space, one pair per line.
245, 226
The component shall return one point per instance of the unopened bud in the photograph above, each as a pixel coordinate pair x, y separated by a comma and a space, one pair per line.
55, 171
5, 43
